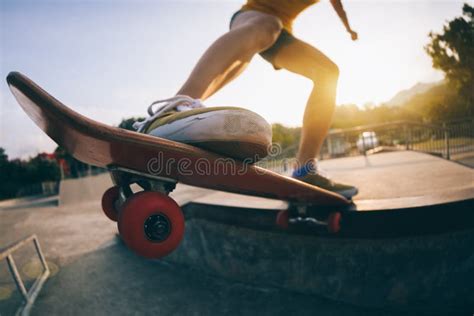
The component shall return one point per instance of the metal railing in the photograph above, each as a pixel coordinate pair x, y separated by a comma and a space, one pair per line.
30, 295
443, 140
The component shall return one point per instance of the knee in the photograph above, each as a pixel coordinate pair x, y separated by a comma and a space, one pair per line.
333, 71
326, 75
266, 32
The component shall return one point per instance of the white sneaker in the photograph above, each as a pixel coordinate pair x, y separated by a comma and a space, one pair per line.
229, 131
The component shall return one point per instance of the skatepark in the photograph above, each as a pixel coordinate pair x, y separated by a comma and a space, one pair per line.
341, 185
234, 261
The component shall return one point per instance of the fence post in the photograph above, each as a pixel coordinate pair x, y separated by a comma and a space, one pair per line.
329, 143
446, 142
407, 137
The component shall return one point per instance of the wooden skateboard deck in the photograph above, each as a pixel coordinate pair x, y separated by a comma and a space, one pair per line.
105, 146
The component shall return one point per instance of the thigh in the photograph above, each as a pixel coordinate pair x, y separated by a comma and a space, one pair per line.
301, 58
251, 16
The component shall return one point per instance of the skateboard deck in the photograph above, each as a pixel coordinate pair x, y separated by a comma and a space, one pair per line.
105, 146
135, 157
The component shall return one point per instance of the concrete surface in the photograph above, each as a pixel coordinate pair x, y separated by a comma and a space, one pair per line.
95, 274
30, 201
74, 191
114, 281
429, 273
399, 174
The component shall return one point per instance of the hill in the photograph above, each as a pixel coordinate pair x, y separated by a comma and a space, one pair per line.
404, 96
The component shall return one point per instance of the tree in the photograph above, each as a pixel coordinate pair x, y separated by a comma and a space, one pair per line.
40, 169
3, 156
452, 51
17, 175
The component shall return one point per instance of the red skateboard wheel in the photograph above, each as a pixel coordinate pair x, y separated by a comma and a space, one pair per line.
151, 224
282, 219
108, 202
334, 222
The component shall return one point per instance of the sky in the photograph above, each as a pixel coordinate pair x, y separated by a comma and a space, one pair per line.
108, 59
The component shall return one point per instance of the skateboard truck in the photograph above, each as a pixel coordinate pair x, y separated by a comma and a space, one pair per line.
297, 215
124, 177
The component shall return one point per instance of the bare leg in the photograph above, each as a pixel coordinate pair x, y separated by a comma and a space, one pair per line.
229, 55
301, 58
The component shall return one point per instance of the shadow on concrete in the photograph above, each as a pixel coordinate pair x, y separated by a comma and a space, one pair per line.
114, 281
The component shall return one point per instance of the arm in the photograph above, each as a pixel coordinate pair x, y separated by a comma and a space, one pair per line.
337, 5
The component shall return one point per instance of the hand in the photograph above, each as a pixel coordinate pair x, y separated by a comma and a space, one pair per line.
354, 35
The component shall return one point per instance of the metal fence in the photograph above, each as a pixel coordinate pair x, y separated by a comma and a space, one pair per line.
444, 140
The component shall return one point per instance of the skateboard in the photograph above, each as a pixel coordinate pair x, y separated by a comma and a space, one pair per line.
150, 222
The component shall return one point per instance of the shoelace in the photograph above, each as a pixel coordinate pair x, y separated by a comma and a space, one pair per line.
180, 102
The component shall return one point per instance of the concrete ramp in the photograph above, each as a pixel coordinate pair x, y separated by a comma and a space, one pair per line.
87, 189
426, 273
